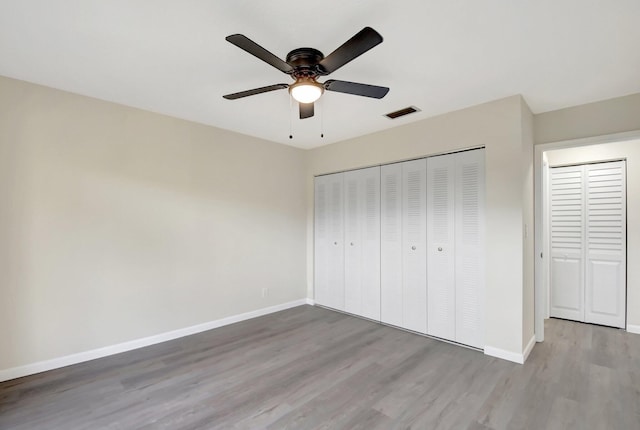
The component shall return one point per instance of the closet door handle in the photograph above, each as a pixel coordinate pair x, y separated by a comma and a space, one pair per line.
439, 248
413, 248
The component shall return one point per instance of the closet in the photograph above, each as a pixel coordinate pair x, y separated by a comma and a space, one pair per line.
588, 243
403, 244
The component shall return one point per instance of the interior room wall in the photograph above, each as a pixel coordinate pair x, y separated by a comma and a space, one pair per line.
117, 224
498, 126
600, 118
629, 150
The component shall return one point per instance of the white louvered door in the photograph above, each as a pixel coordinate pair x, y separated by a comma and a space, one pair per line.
567, 245
605, 240
470, 248
441, 298
455, 243
391, 294
588, 243
403, 245
414, 245
362, 242
329, 241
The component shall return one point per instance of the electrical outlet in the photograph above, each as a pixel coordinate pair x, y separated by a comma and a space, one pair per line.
265, 292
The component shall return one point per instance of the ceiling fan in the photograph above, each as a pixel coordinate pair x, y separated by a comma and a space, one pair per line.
306, 65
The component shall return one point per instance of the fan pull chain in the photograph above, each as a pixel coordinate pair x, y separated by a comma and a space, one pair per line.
290, 117
321, 118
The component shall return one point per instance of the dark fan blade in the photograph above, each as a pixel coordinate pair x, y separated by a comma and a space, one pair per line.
366, 39
306, 110
243, 42
356, 88
255, 91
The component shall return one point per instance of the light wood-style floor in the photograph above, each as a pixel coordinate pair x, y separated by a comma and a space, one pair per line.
311, 368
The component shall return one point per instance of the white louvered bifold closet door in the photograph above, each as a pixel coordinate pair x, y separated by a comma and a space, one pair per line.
567, 245
414, 245
441, 297
588, 243
329, 241
391, 294
470, 248
362, 242
455, 243
605, 298
403, 245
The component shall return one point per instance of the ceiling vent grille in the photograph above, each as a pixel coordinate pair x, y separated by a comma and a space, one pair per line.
402, 112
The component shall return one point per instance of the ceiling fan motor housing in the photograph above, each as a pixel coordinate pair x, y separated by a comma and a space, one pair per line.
305, 62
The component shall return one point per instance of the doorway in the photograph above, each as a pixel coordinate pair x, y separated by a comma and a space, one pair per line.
622, 146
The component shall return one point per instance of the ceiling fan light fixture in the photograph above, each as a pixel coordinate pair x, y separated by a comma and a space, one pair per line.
306, 90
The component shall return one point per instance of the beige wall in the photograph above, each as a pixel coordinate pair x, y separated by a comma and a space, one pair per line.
594, 119
497, 126
116, 224
629, 150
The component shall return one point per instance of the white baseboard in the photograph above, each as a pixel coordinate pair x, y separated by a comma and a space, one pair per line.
633, 328
311, 302
504, 354
528, 348
55, 363
519, 358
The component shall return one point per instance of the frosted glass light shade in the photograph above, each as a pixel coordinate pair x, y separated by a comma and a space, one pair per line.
306, 92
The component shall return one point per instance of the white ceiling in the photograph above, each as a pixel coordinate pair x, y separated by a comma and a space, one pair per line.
439, 55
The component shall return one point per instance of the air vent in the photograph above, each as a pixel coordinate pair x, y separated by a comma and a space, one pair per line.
402, 112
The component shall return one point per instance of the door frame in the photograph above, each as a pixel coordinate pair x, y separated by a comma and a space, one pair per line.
541, 279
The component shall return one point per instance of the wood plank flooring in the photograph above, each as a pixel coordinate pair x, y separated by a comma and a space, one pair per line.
311, 368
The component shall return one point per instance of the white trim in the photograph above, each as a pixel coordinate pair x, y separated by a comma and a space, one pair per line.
635, 329
504, 354
511, 356
55, 363
528, 348
311, 302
